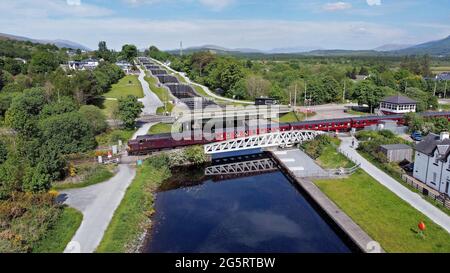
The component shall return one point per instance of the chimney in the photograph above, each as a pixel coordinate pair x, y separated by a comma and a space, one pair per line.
445, 135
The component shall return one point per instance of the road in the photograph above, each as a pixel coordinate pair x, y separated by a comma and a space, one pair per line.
98, 202
412, 198
206, 89
328, 111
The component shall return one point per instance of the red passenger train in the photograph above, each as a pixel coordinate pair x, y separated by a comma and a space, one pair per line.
149, 143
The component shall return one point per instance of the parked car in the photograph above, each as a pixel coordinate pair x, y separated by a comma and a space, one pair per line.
417, 136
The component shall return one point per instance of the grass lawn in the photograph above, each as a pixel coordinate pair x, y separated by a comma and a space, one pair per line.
160, 128
332, 159
95, 175
161, 92
128, 222
124, 88
112, 137
57, 238
394, 171
384, 216
291, 117
109, 107
445, 107
440, 69
169, 107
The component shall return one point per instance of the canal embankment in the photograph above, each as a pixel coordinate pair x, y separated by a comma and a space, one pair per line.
292, 167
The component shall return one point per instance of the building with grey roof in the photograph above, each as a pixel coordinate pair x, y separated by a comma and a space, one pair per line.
432, 164
397, 105
397, 152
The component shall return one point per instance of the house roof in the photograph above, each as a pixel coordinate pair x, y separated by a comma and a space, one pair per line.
443, 77
398, 100
396, 147
432, 142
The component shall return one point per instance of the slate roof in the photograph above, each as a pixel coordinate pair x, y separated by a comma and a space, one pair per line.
432, 142
396, 147
399, 100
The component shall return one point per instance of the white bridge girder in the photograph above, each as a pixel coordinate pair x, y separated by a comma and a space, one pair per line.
282, 139
252, 166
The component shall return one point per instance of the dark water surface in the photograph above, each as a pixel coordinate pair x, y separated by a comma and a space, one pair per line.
262, 213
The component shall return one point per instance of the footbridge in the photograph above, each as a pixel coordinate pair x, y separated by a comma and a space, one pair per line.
275, 139
244, 167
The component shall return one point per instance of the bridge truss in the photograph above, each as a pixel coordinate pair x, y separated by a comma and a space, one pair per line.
252, 166
282, 139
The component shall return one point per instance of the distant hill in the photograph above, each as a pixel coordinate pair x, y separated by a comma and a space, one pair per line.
58, 43
434, 48
215, 49
392, 47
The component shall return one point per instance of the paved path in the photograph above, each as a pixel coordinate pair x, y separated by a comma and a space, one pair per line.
206, 89
98, 202
299, 163
150, 100
412, 198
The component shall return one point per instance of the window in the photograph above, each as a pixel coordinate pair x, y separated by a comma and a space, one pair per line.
434, 178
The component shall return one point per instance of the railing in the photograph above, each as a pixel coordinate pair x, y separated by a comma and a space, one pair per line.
348, 156
328, 173
438, 197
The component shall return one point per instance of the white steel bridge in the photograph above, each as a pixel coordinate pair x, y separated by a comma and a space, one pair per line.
281, 139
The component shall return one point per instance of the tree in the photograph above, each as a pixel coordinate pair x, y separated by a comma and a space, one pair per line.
36, 179
68, 133
129, 52
363, 71
257, 86
11, 173
95, 117
24, 111
129, 109
3, 152
367, 93
43, 61
63, 105
414, 122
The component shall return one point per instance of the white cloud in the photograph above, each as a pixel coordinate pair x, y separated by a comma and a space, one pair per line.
73, 2
374, 2
337, 6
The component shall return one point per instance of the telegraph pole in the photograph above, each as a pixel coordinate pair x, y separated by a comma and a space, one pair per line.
181, 48
435, 86
445, 89
295, 96
343, 93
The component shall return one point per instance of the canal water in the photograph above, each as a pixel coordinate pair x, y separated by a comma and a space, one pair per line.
259, 213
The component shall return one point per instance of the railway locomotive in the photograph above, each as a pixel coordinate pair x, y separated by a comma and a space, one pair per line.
149, 143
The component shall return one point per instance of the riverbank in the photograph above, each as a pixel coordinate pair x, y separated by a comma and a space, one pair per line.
132, 218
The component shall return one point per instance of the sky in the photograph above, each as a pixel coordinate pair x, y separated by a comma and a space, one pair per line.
256, 24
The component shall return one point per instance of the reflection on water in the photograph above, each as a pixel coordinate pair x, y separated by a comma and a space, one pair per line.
261, 213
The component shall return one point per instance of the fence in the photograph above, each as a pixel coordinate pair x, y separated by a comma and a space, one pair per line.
349, 157
436, 196
328, 173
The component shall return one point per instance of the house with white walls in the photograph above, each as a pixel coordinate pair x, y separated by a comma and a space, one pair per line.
432, 162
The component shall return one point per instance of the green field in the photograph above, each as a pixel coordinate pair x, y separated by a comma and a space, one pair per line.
160, 128
113, 136
384, 216
57, 238
440, 69
332, 159
109, 108
291, 117
128, 85
94, 175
